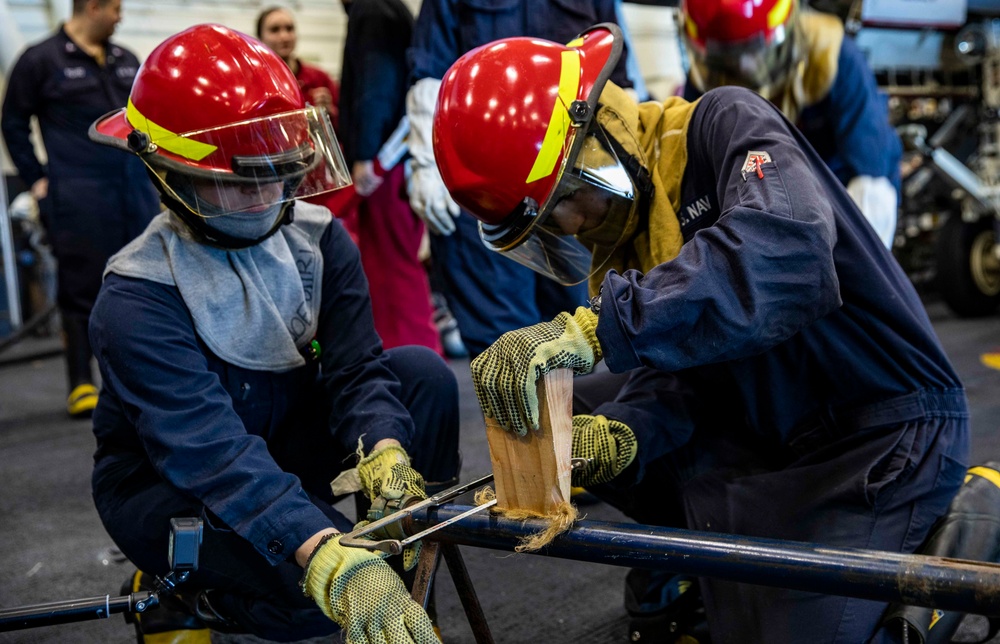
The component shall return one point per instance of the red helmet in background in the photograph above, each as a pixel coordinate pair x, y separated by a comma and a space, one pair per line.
750, 43
514, 134
212, 108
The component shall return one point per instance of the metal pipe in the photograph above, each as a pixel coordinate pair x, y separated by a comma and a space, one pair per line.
948, 584
961, 176
64, 612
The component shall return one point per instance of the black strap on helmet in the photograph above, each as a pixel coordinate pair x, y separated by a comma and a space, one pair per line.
639, 173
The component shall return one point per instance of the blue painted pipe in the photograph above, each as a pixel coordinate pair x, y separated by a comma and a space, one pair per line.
919, 580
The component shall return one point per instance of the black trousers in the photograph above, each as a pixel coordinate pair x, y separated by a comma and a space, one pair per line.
266, 600
88, 220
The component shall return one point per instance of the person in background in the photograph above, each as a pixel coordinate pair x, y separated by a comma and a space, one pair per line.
241, 370
276, 29
773, 372
486, 295
92, 200
373, 84
801, 61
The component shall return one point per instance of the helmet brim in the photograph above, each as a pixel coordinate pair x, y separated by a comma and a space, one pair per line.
112, 129
314, 166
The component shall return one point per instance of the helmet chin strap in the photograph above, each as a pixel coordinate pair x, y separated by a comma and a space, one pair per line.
205, 234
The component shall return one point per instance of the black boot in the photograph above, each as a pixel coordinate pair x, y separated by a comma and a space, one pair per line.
664, 607
969, 530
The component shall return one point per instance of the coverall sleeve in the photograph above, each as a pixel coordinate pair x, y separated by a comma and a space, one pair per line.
865, 138
20, 104
435, 44
363, 390
626, 72
383, 69
756, 277
150, 357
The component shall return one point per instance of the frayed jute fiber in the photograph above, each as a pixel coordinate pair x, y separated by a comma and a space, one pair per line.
558, 522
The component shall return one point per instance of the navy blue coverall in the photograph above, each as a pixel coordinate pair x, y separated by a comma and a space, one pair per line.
849, 127
488, 294
180, 433
99, 198
782, 377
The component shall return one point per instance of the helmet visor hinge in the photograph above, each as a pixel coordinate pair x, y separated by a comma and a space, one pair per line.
580, 112
140, 143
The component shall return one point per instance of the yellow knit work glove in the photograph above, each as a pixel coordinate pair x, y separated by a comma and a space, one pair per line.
359, 591
608, 445
387, 473
505, 375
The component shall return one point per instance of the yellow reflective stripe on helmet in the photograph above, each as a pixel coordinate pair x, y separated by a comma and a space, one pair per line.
161, 136
987, 473
779, 13
555, 135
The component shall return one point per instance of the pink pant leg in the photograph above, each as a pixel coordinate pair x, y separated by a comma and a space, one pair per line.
389, 236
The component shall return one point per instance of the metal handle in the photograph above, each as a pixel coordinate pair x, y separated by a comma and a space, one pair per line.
355, 538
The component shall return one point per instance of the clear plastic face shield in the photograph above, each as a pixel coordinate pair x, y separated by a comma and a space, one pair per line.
583, 220
269, 161
757, 63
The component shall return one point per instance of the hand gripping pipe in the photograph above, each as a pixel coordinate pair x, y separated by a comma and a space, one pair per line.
919, 580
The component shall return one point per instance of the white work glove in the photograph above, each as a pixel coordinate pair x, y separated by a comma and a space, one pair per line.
876, 198
429, 197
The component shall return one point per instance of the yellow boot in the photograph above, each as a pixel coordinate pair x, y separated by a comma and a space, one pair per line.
82, 400
171, 622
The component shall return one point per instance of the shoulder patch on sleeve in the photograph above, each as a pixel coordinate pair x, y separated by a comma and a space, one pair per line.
754, 163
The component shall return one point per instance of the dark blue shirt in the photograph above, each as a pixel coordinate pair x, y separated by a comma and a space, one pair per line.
67, 90
99, 198
373, 79
783, 304
446, 29
172, 410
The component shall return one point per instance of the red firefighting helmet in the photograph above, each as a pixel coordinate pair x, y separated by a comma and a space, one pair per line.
514, 135
215, 106
735, 42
